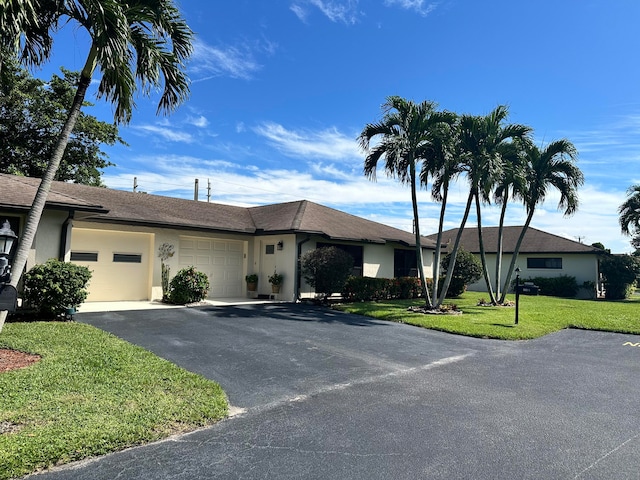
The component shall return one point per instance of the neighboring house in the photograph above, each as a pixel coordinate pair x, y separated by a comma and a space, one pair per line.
117, 235
541, 254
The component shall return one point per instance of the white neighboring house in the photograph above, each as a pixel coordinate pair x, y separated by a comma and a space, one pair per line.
541, 254
117, 234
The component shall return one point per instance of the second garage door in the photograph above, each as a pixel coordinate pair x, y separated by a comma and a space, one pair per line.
220, 260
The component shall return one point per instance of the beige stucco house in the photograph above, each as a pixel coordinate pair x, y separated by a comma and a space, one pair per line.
117, 235
541, 254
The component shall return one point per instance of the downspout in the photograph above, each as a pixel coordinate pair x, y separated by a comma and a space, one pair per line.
298, 269
65, 235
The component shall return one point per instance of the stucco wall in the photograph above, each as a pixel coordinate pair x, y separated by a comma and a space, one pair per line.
584, 267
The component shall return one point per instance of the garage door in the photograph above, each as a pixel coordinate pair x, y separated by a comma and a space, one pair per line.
119, 262
220, 260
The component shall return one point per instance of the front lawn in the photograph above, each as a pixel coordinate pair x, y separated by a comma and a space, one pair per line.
538, 315
92, 393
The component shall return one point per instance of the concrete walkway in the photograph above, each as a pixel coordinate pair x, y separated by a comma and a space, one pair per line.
89, 307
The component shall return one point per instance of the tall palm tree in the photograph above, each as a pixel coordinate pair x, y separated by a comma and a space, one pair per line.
407, 135
630, 212
138, 44
483, 140
510, 185
550, 167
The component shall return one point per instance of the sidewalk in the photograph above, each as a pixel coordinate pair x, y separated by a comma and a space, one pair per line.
156, 304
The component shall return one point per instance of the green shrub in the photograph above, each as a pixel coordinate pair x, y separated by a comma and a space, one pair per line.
326, 269
560, 286
467, 269
362, 289
53, 287
619, 272
188, 286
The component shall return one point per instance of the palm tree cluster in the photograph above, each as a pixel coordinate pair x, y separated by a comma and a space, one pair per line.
423, 146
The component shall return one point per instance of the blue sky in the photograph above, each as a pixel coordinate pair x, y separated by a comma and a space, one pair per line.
281, 89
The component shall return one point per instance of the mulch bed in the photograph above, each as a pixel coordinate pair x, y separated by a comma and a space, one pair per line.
13, 359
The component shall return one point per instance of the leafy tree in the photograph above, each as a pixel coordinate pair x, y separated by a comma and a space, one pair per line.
135, 44
550, 167
326, 269
482, 140
467, 270
32, 113
188, 286
407, 134
620, 273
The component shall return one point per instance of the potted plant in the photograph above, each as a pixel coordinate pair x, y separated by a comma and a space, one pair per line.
276, 280
252, 282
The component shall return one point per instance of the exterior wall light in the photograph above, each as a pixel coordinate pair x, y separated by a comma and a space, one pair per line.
280, 245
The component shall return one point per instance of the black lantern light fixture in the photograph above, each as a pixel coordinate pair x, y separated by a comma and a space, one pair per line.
517, 292
7, 239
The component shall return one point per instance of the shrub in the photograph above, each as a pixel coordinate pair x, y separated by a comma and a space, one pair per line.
326, 269
619, 272
53, 287
560, 286
188, 286
467, 269
362, 289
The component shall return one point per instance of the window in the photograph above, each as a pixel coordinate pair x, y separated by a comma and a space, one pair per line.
553, 262
270, 249
404, 263
354, 250
84, 256
127, 257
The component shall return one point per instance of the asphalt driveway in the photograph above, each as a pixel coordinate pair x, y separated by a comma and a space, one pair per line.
323, 394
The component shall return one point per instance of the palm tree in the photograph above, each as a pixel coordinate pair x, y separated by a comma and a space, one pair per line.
483, 140
511, 185
630, 212
136, 44
550, 167
407, 135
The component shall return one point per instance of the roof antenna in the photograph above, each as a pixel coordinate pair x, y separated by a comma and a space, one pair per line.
208, 190
195, 191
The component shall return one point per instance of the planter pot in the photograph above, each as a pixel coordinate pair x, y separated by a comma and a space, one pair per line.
275, 288
252, 287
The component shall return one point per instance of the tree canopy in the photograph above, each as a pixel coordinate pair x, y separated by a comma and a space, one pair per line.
32, 113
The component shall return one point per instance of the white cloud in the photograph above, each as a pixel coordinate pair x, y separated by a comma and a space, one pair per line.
420, 6
328, 143
345, 11
164, 133
199, 121
234, 62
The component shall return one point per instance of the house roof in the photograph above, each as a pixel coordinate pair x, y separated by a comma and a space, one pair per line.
117, 206
535, 241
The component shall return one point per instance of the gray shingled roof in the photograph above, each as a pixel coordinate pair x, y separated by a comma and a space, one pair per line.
535, 241
117, 206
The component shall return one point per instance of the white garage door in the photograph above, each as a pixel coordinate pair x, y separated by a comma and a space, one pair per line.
220, 260
119, 262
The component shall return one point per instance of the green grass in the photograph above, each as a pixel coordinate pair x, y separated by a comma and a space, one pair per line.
91, 394
538, 315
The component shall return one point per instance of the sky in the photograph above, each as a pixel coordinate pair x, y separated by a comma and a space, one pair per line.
281, 89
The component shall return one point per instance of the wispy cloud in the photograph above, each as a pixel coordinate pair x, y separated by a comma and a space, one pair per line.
345, 11
199, 121
420, 6
214, 61
329, 143
165, 133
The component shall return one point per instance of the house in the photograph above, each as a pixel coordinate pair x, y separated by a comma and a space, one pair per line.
541, 254
117, 234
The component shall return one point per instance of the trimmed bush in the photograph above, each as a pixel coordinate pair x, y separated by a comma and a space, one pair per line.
620, 273
363, 289
560, 286
326, 269
468, 269
188, 286
53, 287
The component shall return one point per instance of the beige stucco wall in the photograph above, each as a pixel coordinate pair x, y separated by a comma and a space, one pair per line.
283, 261
584, 267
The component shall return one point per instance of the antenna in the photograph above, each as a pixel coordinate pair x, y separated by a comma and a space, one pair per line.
195, 191
580, 238
208, 190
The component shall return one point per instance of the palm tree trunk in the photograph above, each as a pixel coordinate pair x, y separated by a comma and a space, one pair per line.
483, 256
454, 252
35, 213
503, 212
414, 200
436, 258
512, 265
